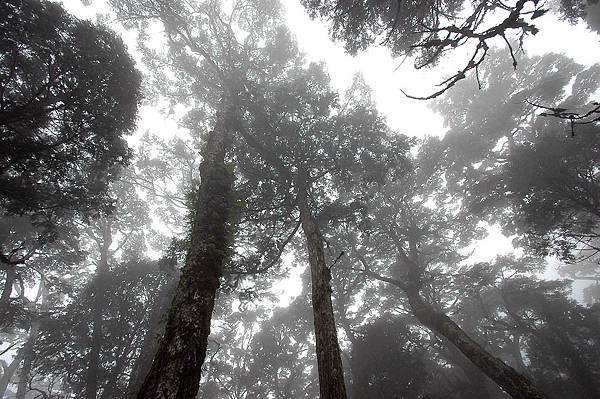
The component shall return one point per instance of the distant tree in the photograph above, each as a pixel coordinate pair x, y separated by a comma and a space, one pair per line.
561, 336
69, 341
254, 354
533, 324
385, 363
577, 10
502, 154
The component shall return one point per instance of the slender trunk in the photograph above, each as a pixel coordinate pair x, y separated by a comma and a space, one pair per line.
515, 384
28, 355
11, 276
25, 374
331, 372
177, 366
93, 363
9, 371
152, 338
116, 371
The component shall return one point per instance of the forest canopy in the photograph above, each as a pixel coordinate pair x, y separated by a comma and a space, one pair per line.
192, 206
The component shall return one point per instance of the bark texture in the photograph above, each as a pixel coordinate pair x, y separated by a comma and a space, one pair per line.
142, 364
28, 355
7, 287
9, 371
93, 365
176, 370
331, 372
513, 383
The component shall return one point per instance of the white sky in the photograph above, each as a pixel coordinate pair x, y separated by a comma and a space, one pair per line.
386, 76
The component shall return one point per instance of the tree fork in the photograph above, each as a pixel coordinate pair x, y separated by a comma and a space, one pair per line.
177, 365
329, 360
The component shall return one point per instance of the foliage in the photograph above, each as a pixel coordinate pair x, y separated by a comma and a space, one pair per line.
69, 91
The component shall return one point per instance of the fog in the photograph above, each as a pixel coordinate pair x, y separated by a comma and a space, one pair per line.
239, 199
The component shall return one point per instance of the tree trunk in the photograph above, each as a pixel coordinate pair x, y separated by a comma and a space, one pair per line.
9, 371
177, 366
11, 275
516, 385
152, 338
91, 379
28, 355
331, 372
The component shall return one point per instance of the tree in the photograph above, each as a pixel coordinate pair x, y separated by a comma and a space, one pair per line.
69, 346
68, 93
501, 154
428, 30
419, 243
177, 365
533, 324
316, 152
385, 364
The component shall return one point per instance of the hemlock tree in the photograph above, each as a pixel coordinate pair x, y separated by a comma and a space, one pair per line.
312, 151
251, 83
203, 47
68, 93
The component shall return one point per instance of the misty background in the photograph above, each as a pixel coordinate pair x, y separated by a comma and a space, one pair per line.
316, 198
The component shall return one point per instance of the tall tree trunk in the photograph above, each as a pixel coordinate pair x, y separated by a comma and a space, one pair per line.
28, 355
7, 287
152, 338
93, 363
513, 383
9, 371
331, 372
177, 366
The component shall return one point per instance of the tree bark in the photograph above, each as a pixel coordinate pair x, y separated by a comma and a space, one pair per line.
331, 372
28, 355
152, 338
9, 371
11, 276
91, 379
513, 383
177, 366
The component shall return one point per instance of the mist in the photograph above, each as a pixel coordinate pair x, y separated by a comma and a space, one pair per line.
247, 199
